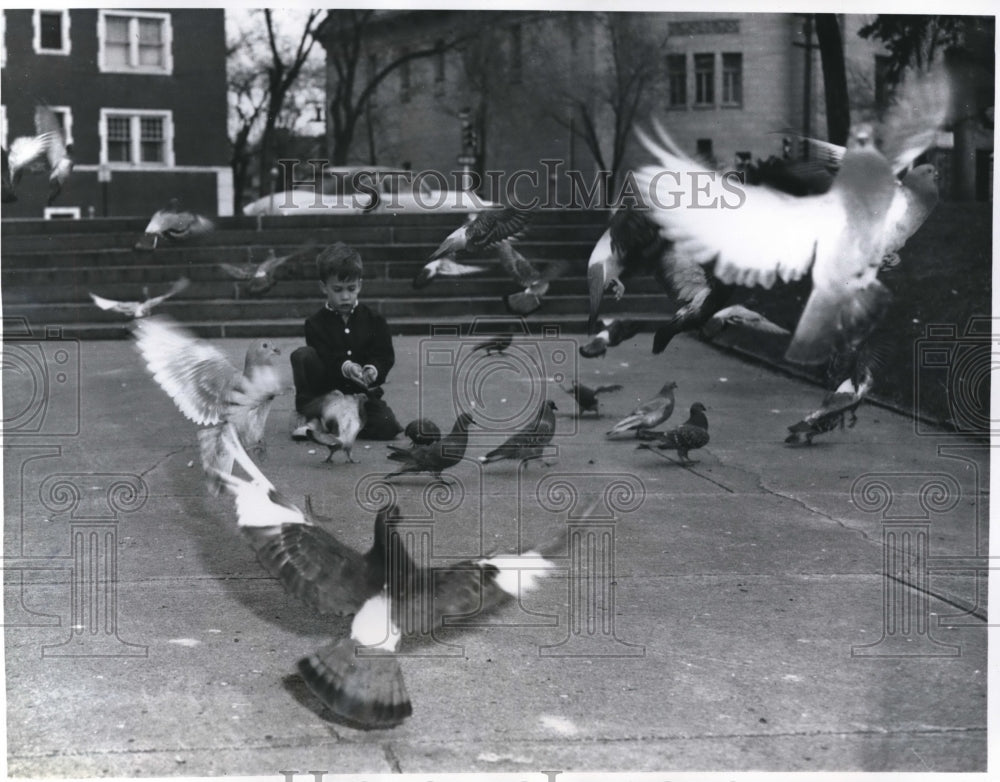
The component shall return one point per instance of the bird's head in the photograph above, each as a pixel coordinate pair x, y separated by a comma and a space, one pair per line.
667, 387
698, 407
466, 420
923, 180
260, 353
862, 136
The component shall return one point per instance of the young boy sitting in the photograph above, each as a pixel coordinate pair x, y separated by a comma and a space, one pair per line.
348, 347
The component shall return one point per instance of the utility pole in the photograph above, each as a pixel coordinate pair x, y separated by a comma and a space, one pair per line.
807, 45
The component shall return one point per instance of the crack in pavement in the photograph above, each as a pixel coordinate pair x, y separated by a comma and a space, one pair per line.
162, 459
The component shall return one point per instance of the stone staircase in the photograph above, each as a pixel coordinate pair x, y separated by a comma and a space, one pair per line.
48, 268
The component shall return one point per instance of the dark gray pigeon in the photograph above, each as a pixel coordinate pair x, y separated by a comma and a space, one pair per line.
689, 436
586, 397
531, 441
435, 457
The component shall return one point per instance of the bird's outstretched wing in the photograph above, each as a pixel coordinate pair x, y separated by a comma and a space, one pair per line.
920, 107
177, 287
494, 225
124, 307
754, 234
196, 375
237, 272
47, 126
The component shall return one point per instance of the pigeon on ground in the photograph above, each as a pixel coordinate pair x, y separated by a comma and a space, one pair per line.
496, 345
437, 456
836, 406
334, 420
207, 388
535, 282
175, 225
689, 436
261, 277
358, 678
611, 333
531, 441
140, 309
738, 315
422, 431
483, 231
840, 236
586, 397
46, 149
648, 415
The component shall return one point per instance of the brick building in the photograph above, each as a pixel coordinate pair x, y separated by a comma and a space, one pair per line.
142, 97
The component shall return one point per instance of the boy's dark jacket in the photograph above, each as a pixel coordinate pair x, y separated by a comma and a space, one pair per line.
364, 339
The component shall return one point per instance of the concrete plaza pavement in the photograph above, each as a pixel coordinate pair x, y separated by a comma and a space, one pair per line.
752, 625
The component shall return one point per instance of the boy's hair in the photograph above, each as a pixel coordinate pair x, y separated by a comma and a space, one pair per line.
340, 261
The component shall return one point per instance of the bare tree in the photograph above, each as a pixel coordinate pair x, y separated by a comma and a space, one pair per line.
350, 85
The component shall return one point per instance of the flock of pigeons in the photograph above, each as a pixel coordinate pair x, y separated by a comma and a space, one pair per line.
842, 224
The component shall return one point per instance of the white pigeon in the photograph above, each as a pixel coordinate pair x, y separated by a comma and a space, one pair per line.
755, 235
140, 309
336, 422
739, 315
208, 389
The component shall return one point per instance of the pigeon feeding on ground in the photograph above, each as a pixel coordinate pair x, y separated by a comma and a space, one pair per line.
586, 397
837, 405
261, 277
531, 441
524, 273
840, 236
140, 309
738, 315
612, 333
434, 457
47, 149
422, 431
648, 415
689, 436
175, 225
358, 678
334, 420
208, 389
496, 345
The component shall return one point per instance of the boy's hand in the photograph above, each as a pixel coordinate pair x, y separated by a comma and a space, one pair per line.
353, 371
369, 374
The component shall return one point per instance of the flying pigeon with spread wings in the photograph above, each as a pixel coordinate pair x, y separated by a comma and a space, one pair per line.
175, 225
261, 277
140, 309
535, 282
840, 237
359, 677
208, 389
45, 150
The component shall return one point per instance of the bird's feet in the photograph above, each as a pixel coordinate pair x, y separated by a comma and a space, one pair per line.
616, 288
259, 450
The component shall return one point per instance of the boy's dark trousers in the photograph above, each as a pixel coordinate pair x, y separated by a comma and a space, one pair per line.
313, 379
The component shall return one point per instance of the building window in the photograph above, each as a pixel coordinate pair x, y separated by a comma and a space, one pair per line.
704, 79
134, 42
706, 154
516, 54
439, 68
3, 40
62, 213
51, 32
732, 79
137, 138
677, 93
883, 92
404, 80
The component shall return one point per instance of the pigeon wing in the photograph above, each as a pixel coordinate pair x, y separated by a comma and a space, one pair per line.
47, 126
237, 272
196, 375
124, 307
177, 287
517, 266
494, 225
762, 236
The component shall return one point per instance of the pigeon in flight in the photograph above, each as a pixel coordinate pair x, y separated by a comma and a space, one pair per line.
531, 441
739, 315
175, 225
434, 457
422, 431
483, 231
586, 397
443, 267
648, 415
46, 149
611, 333
334, 420
261, 277
689, 436
535, 283
496, 345
140, 309
840, 237
359, 678
207, 388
